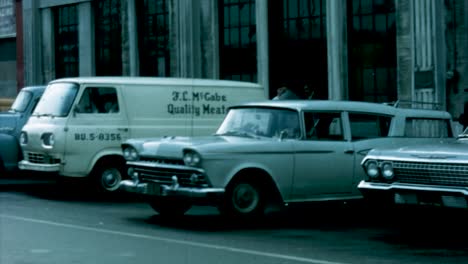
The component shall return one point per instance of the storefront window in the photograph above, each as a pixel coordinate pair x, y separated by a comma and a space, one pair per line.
238, 40
372, 50
153, 28
108, 38
66, 41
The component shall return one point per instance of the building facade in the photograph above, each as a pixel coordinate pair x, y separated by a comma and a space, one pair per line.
8, 60
413, 51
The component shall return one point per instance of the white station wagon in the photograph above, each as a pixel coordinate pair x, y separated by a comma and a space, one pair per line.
274, 151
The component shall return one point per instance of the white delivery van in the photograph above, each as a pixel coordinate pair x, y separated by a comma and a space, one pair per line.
79, 123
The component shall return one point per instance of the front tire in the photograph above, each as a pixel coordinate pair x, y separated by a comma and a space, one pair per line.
108, 177
244, 199
167, 207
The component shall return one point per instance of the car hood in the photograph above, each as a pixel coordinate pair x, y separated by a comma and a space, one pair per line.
8, 122
172, 147
456, 151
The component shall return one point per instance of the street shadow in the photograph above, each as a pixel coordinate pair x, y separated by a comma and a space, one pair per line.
421, 231
323, 217
432, 231
49, 187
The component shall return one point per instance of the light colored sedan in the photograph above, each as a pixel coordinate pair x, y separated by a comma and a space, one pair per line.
274, 151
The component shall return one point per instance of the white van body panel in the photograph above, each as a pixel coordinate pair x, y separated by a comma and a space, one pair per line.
147, 107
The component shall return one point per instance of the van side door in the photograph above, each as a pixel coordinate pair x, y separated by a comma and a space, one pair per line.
96, 127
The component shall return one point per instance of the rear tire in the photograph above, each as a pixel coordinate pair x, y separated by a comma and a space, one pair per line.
170, 207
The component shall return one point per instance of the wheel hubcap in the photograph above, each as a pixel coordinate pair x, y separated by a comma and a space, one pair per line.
111, 179
245, 198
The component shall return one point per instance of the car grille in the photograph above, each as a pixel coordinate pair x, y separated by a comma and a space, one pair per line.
163, 161
40, 158
431, 173
163, 175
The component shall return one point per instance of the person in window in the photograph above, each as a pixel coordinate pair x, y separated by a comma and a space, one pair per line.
284, 93
289, 126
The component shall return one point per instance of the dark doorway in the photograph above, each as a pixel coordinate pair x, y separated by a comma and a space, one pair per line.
298, 46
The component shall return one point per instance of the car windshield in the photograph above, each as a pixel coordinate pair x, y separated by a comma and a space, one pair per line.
57, 100
260, 122
21, 101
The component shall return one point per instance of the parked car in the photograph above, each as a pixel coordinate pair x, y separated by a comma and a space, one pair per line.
430, 174
11, 123
273, 151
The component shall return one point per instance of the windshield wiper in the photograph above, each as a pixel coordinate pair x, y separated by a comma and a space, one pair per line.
40, 115
462, 136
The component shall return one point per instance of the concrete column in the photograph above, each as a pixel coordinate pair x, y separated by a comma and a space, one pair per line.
337, 54
32, 43
174, 40
86, 53
132, 39
189, 46
405, 49
261, 9
440, 58
48, 45
209, 39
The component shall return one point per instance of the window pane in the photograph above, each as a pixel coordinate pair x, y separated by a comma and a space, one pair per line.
238, 46
66, 41
108, 38
323, 126
432, 128
369, 126
153, 27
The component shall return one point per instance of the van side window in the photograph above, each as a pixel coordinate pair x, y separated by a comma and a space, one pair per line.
323, 126
365, 126
98, 100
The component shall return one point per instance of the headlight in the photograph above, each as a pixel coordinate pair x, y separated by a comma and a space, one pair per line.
387, 170
192, 158
48, 139
130, 154
372, 169
23, 138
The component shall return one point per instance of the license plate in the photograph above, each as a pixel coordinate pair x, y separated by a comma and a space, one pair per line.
153, 188
431, 200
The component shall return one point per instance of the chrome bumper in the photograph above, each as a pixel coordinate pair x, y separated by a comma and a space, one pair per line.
417, 194
363, 186
26, 165
169, 190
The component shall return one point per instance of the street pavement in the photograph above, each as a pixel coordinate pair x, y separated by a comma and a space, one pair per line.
42, 221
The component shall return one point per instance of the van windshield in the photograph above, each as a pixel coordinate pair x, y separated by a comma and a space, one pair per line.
57, 100
21, 102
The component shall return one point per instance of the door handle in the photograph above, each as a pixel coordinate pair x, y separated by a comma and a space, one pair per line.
349, 151
123, 129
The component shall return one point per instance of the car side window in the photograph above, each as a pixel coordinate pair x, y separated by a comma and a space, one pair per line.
365, 126
323, 126
425, 127
98, 100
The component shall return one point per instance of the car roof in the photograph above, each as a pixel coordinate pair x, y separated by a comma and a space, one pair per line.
352, 106
157, 81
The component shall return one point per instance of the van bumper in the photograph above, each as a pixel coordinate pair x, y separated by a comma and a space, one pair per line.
153, 189
26, 165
